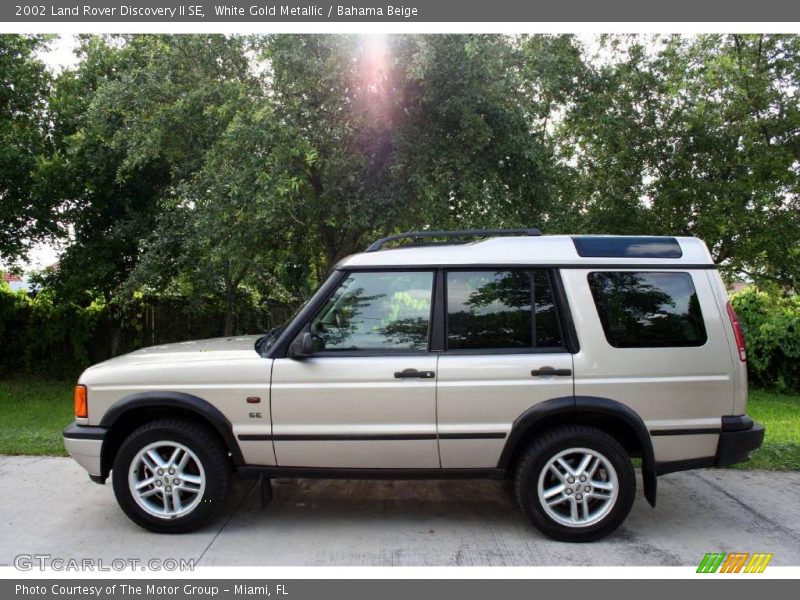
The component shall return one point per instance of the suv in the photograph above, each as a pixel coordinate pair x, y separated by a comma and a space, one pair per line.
552, 360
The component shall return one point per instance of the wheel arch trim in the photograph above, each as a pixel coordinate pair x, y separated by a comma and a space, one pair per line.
585, 405
168, 399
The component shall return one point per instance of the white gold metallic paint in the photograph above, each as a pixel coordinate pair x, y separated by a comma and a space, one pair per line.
669, 388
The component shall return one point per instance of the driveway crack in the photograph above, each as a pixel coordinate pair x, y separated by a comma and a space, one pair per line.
225, 523
747, 507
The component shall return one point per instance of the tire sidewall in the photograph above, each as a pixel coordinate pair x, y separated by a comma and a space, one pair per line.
213, 495
531, 468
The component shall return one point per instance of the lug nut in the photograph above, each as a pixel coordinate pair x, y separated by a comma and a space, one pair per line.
569, 491
583, 477
176, 481
172, 471
158, 482
570, 480
168, 488
160, 471
577, 496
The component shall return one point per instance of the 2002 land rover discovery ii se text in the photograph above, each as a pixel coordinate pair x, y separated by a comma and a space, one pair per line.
553, 360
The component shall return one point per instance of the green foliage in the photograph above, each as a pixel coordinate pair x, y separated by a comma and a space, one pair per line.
48, 335
230, 171
43, 335
694, 135
403, 132
771, 323
24, 217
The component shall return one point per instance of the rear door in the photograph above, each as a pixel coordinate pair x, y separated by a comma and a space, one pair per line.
504, 353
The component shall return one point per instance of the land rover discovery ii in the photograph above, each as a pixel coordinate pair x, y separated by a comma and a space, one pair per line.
552, 360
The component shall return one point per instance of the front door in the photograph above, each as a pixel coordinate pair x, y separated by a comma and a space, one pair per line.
366, 398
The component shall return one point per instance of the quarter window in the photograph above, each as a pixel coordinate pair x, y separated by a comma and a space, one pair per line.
648, 309
493, 310
376, 311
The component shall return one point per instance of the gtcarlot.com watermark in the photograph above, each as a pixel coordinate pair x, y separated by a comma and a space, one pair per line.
43, 562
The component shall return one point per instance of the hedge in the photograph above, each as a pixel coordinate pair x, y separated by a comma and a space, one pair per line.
47, 336
44, 335
771, 323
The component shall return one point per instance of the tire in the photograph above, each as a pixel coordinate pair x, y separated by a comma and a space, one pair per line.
573, 514
201, 466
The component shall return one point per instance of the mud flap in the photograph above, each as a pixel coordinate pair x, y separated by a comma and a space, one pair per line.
650, 482
265, 489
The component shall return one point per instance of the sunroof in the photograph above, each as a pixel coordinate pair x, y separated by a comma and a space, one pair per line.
591, 246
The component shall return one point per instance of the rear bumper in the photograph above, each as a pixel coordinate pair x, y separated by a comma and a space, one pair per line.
85, 445
738, 437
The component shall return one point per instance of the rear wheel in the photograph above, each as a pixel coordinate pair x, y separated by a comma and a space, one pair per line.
576, 484
171, 476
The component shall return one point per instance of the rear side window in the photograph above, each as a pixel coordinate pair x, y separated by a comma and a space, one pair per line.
648, 309
501, 310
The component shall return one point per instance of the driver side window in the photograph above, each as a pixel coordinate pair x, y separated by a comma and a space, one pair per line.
376, 311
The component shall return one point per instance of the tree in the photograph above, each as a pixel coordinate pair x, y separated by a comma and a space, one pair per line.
230, 223
133, 123
685, 135
25, 216
729, 174
406, 131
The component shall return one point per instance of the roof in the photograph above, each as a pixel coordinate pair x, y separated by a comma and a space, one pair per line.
543, 250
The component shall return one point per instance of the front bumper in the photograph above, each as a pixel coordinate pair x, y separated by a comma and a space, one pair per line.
85, 445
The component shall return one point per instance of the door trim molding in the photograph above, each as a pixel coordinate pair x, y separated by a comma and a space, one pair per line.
367, 437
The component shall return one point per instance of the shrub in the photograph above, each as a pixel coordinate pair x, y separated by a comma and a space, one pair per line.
49, 336
771, 323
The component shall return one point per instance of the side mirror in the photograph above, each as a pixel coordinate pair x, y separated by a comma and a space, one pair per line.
302, 346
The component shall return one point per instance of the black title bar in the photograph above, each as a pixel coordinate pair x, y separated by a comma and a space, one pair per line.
199, 11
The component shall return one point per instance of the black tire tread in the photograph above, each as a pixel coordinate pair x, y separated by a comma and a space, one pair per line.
216, 463
548, 440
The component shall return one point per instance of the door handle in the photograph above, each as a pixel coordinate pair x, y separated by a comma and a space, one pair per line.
410, 373
545, 371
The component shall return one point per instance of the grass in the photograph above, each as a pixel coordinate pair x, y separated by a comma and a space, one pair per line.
33, 413
780, 414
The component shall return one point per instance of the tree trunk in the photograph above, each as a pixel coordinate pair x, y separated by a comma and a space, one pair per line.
230, 298
230, 308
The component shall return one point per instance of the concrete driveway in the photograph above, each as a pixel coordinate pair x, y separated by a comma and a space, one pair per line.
49, 506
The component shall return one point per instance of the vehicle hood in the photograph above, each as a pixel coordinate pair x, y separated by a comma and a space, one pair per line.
214, 349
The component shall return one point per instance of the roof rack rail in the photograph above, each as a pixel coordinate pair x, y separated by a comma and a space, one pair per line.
377, 245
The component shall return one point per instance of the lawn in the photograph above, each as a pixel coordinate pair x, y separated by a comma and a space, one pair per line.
33, 413
780, 414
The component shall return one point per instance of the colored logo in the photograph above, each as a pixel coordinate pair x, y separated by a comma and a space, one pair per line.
735, 562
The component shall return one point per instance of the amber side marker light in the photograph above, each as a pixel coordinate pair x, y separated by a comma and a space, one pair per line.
81, 406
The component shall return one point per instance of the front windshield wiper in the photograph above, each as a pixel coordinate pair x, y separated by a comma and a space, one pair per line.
266, 340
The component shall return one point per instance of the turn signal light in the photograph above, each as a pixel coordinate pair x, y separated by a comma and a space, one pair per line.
81, 406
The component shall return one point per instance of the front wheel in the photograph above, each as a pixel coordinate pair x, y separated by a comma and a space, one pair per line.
576, 484
171, 476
